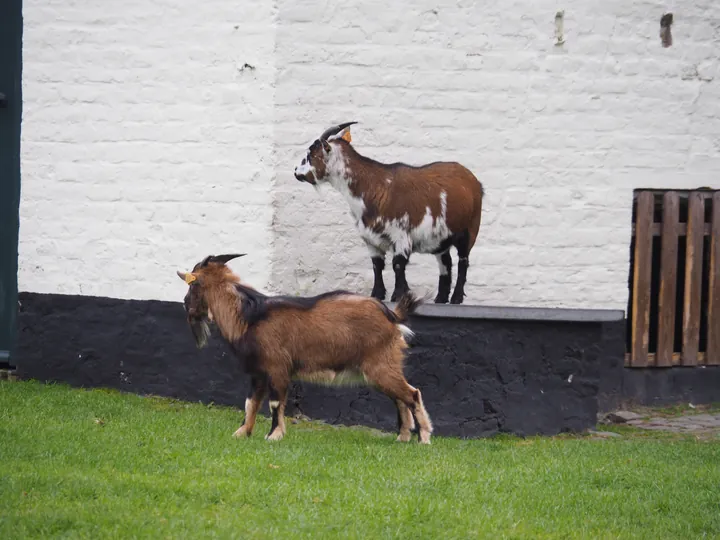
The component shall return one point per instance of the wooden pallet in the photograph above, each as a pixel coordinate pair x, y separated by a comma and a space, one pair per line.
674, 307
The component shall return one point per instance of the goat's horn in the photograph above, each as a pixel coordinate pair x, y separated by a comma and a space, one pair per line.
225, 258
203, 263
335, 130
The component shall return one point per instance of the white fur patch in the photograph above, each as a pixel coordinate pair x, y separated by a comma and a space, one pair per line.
396, 234
431, 231
339, 177
305, 168
348, 377
405, 331
274, 404
441, 266
374, 250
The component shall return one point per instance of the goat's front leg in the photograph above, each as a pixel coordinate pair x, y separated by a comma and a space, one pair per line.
258, 388
278, 398
399, 262
406, 422
378, 261
445, 268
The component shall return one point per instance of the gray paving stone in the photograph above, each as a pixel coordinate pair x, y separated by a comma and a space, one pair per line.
621, 417
704, 423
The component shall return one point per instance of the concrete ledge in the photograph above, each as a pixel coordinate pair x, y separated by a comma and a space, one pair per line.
465, 311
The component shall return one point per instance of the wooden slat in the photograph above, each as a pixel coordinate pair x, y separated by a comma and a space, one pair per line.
676, 359
682, 229
668, 279
712, 356
693, 280
641, 279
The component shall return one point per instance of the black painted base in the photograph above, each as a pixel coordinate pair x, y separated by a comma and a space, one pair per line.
478, 375
654, 387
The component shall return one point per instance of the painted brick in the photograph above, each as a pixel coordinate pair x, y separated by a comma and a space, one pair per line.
560, 137
147, 143
145, 146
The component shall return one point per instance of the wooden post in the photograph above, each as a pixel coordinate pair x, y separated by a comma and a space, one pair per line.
693, 279
712, 356
668, 280
641, 279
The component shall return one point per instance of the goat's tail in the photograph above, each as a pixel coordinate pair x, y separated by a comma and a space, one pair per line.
407, 304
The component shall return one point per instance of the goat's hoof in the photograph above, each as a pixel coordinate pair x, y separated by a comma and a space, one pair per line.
276, 435
424, 437
456, 299
441, 299
404, 437
242, 432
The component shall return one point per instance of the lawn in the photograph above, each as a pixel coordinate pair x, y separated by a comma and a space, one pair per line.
99, 464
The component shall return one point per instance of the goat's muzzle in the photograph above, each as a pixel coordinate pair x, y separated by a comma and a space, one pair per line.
305, 178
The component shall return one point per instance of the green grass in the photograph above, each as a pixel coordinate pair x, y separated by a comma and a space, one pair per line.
99, 464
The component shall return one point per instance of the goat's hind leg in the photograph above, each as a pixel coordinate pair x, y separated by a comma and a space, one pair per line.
463, 249
393, 384
258, 388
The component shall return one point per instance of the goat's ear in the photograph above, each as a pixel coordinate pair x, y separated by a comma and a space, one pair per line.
226, 258
343, 134
188, 277
326, 145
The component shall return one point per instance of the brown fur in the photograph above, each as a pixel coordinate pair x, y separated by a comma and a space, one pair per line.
413, 189
322, 339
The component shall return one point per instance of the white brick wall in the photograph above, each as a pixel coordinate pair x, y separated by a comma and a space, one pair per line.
145, 147
559, 137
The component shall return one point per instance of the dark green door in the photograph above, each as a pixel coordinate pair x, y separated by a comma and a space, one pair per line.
10, 117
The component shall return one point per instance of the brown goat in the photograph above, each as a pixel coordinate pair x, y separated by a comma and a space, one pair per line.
402, 208
333, 339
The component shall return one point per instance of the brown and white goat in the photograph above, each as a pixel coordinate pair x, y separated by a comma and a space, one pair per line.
398, 207
334, 338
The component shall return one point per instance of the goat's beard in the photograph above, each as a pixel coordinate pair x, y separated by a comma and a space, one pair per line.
201, 331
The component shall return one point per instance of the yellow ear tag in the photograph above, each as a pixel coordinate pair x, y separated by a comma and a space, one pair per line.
346, 136
189, 278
